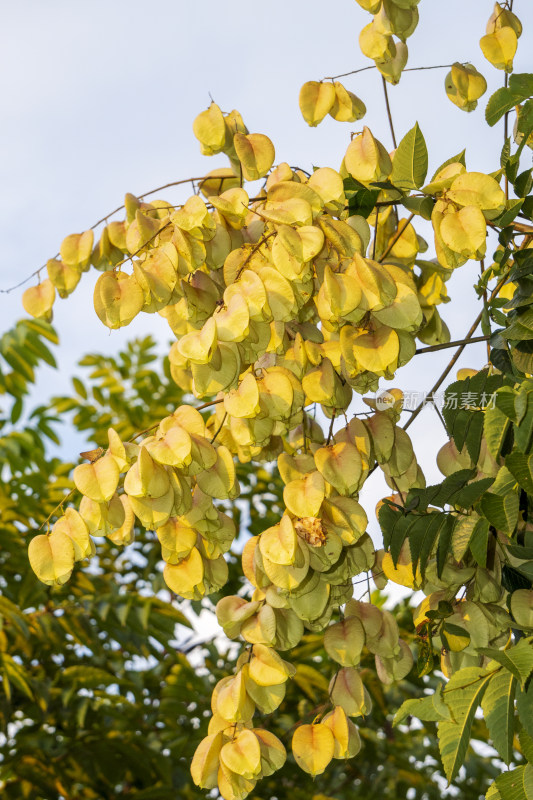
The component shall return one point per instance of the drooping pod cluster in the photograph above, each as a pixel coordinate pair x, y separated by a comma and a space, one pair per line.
167, 483
279, 302
391, 18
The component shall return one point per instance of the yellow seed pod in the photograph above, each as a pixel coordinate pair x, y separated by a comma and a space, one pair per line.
316, 100
502, 17
243, 402
370, 5
480, 190
206, 760
346, 107
52, 557
232, 786
396, 668
210, 130
279, 543
313, 747
232, 205
198, 346
242, 754
391, 68
273, 753
345, 733
284, 577
230, 700
142, 231
186, 578
39, 300
64, 277
152, 512
464, 86
220, 480
500, 47
303, 497
76, 249
465, 232
233, 322
267, 668
99, 480
347, 690
344, 641
366, 159
378, 350
376, 45
232, 611
260, 628
328, 184
123, 533
174, 448
341, 466
118, 298
256, 154
177, 539
395, 19
146, 478
74, 526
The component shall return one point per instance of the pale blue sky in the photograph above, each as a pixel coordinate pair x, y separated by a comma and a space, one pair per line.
98, 99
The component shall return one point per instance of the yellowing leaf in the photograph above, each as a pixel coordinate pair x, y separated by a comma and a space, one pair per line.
313, 747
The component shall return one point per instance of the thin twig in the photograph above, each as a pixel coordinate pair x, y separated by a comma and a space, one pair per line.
455, 358
434, 347
375, 235
330, 432
219, 427
364, 69
99, 222
59, 505
254, 250
389, 111
396, 236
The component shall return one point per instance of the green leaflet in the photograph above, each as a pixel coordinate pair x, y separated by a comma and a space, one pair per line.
520, 466
428, 709
462, 695
518, 659
410, 163
526, 745
462, 533
498, 707
517, 784
501, 510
